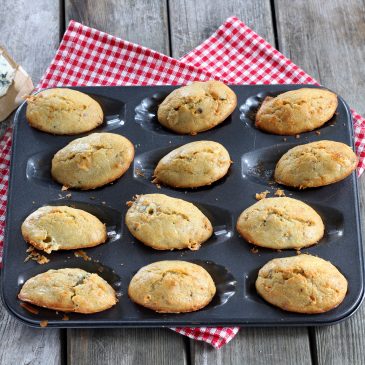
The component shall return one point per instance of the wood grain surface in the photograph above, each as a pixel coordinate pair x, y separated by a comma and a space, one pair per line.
325, 38
140, 21
191, 22
20, 344
125, 346
261, 346
30, 31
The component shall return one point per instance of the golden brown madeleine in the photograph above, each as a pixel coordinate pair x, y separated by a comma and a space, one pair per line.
315, 164
296, 111
166, 223
193, 164
69, 290
172, 287
302, 284
197, 107
63, 111
280, 223
92, 161
53, 228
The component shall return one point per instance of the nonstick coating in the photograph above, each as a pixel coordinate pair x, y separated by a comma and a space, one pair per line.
232, 262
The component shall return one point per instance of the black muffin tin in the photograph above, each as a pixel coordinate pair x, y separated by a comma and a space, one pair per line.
232, 262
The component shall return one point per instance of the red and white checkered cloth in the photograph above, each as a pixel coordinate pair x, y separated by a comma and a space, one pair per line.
234, 54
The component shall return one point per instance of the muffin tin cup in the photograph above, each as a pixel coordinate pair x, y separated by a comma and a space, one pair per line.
232, 262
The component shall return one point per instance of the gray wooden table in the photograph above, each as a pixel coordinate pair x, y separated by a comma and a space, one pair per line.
325, 37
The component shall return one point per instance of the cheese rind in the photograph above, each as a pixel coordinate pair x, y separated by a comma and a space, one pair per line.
7, 74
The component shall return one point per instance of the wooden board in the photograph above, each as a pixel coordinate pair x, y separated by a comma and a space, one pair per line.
21, 344
326, 39
30, 32
140, 21
125, 346
31, 45
259, 346
191, 22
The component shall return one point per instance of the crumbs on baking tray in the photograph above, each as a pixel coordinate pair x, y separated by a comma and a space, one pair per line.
34, 255
82, 254
254, 250
262, 195
43, 324
279, 192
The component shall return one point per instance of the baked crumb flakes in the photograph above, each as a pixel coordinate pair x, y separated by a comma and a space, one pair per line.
82, 254
254, 250
279, 192
297, 136
318, 133
34, 255
284, 139
262, 195
43, 324
64, 188
65, 317
29, 308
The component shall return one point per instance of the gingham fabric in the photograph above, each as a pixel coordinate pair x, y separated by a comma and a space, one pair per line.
234, 54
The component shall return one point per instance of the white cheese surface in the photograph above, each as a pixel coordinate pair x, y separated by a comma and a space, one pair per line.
7, 74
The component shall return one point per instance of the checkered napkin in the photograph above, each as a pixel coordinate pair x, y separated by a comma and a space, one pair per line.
234, 54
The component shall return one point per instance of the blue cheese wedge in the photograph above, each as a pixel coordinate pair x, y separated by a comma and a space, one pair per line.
7, 74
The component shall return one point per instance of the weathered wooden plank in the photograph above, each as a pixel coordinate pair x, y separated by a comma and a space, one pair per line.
344, 343
142, 21
258, 346
193, 21
30, 31
125, 346
326, 38
20, 344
